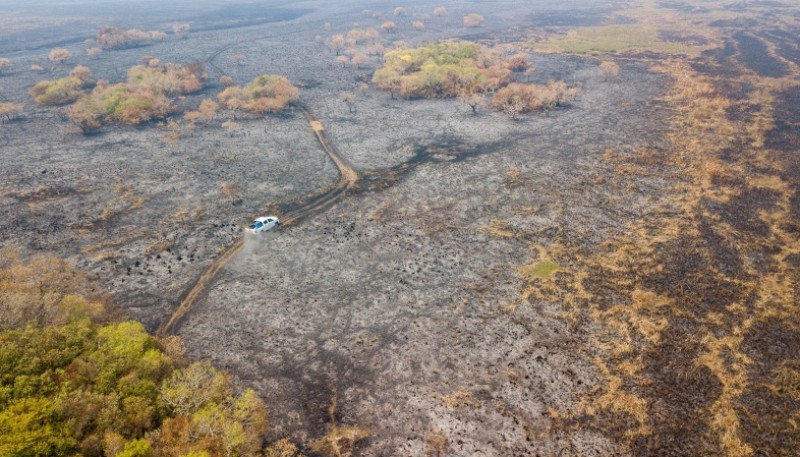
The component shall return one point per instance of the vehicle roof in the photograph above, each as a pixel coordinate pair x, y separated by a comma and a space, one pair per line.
264, 219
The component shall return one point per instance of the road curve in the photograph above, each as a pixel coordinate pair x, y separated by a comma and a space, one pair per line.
348, 178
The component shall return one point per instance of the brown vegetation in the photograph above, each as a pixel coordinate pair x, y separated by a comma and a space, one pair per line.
418, 25
265, 94
10, 111
114, 38
93, 52
5, 64
389, 26
204, 113
400, 11
473, 20
226, 81
42, 291
440, 11
515, 98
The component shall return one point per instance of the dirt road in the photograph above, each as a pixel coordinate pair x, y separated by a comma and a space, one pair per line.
348, 178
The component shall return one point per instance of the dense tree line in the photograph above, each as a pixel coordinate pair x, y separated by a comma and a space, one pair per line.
71, 384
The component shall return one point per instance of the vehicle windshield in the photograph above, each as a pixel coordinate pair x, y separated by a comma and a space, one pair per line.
256, 225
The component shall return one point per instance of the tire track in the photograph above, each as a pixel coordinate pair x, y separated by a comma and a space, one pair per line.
348, 178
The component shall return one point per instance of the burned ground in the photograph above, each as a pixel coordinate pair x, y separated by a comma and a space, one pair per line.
662, 206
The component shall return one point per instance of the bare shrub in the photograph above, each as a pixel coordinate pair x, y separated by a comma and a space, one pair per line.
93, 52
473, 20
226, 81
115, 38
515, 99
205, 112
519, 62
609, 69
418, 25
349, 99
232, 191
59, 56
389, 26
438, 443
440, 11
182, 30
5, 64
400, 11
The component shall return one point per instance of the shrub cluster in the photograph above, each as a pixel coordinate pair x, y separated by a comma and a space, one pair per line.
143, 97
113, 38
265, 94
443, 69
64, 90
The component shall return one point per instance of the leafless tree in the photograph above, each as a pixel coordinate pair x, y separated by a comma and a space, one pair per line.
182, 30
59, 56
349, 99
473, 20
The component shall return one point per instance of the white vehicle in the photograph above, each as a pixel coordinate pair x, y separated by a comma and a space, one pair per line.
263, 224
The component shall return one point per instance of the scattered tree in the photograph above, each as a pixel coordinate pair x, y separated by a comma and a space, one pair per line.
265, 94
93, 52
473, 20
59, 56
471, 99
400, 11
440, 11
232, 191
182, 30
239, 59
37, 68
389, 26
5, 64
226, 81
349, 99
342, 61
359, 59
10, 111
337, 44
418, 25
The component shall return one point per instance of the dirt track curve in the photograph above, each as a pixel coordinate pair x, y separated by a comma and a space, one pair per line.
348, 178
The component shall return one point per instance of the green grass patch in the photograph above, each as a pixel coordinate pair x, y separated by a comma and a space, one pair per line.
542, 269
610, 39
